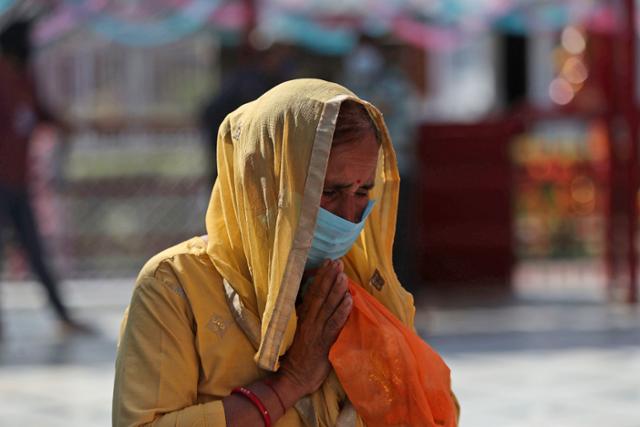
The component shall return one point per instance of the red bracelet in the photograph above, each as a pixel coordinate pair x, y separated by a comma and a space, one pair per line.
273, 389
256, 402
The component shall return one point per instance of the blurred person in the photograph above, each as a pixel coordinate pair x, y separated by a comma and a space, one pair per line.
20, 113
373, 73
257, 72
235, 328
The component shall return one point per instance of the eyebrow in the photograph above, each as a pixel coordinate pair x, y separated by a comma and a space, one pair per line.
342, 186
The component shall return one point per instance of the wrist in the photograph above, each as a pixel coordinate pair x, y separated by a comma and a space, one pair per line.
287, 389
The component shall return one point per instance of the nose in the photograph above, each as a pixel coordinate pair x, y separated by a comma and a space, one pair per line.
347, 208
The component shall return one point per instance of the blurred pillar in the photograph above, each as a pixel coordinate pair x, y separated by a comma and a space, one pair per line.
515, 49
624, 161
629, 111
540, 70
251, 17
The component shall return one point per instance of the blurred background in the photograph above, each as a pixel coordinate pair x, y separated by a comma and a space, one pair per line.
516, 128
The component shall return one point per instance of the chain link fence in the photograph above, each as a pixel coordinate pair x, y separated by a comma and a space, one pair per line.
116, 199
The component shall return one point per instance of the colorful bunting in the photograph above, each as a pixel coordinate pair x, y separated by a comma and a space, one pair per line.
5, 5
325, 26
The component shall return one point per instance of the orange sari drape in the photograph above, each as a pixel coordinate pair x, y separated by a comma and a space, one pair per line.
391, 376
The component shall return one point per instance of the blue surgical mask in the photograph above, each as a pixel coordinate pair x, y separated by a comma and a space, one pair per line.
334, 236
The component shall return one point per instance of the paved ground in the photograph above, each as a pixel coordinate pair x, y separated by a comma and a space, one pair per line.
516, 365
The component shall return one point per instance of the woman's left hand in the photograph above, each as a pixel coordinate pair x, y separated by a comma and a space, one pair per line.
324, 311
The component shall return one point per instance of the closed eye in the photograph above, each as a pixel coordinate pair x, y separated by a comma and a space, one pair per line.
365, 189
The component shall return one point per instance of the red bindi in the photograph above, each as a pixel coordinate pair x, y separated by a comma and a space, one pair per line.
357, 181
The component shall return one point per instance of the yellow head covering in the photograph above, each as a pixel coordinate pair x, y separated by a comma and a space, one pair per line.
272, 158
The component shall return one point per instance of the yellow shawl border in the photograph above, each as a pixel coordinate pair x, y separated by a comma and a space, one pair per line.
272, 343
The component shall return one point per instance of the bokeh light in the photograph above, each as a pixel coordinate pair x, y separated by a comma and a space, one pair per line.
574, 71
582, 189
573, 41
561, 91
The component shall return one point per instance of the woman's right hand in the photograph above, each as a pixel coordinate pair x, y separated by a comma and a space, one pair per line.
321, 316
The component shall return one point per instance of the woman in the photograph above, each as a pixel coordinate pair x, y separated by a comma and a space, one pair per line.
214, 335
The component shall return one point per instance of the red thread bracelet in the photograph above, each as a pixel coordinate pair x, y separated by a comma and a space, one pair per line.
245, 392
273, 389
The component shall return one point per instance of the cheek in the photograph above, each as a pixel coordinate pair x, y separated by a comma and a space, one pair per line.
361, 204
325, 203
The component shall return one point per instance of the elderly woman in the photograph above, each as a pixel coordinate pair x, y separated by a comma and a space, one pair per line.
235, 328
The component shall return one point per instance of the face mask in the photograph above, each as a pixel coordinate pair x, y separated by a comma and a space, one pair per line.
334, 236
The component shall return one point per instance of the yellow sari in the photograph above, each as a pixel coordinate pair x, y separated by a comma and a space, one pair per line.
214, 313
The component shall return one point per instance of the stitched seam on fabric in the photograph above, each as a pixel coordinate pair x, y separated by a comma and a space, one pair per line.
250, 328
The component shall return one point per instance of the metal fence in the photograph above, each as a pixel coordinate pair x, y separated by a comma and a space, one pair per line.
133, 176
112, 200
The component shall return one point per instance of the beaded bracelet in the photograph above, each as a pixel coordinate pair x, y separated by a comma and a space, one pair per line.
248, 394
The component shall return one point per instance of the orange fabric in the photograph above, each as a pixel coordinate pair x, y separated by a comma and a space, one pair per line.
391, 376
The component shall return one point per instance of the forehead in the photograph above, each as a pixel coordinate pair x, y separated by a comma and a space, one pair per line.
355, 160
365, 145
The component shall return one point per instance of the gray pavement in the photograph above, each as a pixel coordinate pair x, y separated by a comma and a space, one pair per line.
560, 365
527, 363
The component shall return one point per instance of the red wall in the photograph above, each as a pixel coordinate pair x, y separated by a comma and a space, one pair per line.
464, 212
